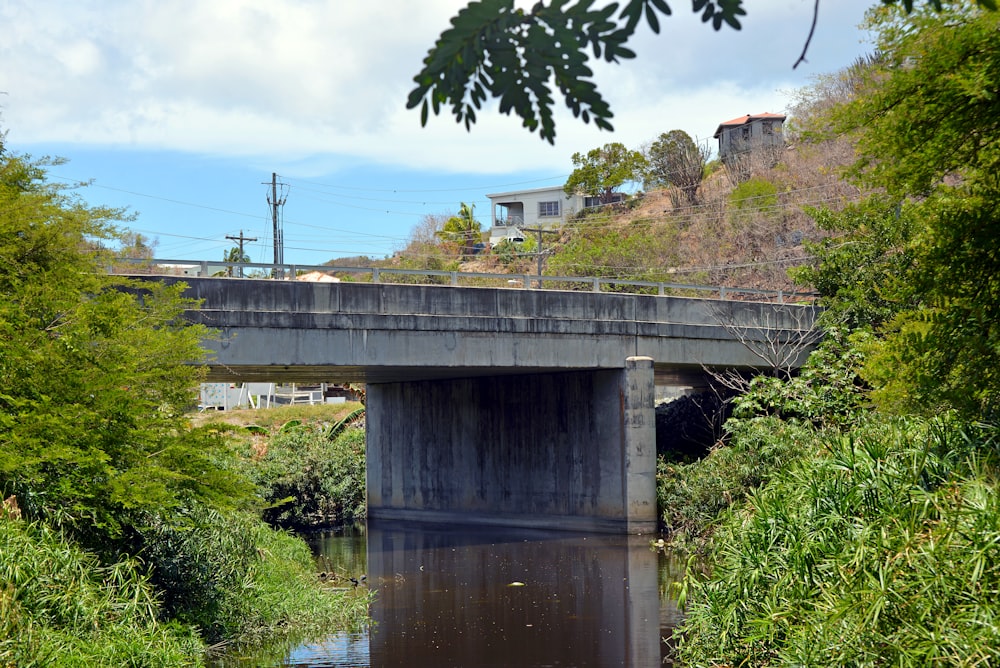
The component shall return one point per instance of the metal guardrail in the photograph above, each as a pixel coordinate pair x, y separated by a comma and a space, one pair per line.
239, 270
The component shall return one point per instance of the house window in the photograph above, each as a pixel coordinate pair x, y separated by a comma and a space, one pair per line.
596, 201
767, 128
548, 209
745, 132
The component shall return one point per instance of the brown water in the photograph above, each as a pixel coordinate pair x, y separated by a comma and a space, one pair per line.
464, 597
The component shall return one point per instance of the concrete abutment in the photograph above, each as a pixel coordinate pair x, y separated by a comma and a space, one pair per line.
571, 450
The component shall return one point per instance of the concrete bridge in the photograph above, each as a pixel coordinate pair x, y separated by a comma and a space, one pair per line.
497, 406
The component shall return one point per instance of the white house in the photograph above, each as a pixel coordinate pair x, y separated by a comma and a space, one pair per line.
748, 133
539, 207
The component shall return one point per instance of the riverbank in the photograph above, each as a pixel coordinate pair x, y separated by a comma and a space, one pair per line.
206, 583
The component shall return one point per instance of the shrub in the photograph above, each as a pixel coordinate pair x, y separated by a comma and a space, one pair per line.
236, 579
310, 480
826, 391
880, 548
691, 497
60, 607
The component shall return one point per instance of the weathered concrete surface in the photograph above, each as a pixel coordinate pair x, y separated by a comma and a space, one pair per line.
519, 407
286, 330
571, 450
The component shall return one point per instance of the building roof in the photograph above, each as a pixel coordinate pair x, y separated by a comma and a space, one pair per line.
529, 191
317, 277
749, 118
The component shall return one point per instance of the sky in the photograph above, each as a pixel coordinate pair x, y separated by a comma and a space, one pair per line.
181, 111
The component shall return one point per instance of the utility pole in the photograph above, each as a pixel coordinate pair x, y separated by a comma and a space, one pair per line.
241, 239
279, 241
540, 253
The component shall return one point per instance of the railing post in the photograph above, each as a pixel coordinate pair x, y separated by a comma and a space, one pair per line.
454, 278
781, 296
292, 273
203, 272
663, 290
375, 275
722, 292
597, 284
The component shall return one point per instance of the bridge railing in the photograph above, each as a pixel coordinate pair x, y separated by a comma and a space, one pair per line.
391, 275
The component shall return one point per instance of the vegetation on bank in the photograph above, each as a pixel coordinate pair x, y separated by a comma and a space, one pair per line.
306, 463
852, 516
878, 546
126, 536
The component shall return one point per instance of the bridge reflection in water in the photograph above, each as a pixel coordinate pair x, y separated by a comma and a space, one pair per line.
507, 597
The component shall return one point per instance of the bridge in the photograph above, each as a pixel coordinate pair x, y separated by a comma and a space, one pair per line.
497, 406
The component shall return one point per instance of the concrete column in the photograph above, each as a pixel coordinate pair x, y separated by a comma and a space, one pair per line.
571, 450
639, 446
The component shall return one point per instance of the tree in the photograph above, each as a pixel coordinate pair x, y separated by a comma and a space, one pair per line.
928, 127
235, 255
676, 160
861, 265
495, 50
463, 228
96, 372
602, 171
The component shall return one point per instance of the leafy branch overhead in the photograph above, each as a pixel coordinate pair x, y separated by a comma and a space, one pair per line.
494, 50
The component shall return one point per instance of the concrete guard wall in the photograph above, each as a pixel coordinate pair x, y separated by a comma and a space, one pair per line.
573, 450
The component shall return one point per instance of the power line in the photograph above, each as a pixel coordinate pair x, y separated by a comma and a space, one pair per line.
241, 239
276, 204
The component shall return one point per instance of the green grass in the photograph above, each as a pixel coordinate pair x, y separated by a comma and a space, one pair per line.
60, 607
880, 548
691, 497
239, 581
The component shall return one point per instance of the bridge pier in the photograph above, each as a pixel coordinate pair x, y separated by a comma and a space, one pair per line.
571, 450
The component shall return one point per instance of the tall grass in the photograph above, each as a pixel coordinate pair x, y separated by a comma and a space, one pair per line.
59, 607
691, 497
882, 548
239, 581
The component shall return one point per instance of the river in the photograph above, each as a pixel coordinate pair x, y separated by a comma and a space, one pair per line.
473, 597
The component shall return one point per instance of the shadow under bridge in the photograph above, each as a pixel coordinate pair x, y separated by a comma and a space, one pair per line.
498, 406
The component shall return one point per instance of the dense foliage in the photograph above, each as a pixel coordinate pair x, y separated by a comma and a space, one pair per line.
308, 478
881, 550
127, 537
876, 542
927, 125
60, 607
94, 379
237, 580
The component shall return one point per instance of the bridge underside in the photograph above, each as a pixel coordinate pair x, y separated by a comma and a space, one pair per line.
669, 375
522, 407
568, 450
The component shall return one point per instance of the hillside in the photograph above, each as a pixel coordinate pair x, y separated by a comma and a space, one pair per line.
738, 235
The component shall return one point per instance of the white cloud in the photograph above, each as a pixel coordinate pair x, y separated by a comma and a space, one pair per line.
300, 80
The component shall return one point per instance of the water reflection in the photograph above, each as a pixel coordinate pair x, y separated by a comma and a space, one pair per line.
497, 597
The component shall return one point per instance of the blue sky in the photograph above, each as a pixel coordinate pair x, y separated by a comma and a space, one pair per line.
181, 111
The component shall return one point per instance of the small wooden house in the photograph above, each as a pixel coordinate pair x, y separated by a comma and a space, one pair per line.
748, 133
